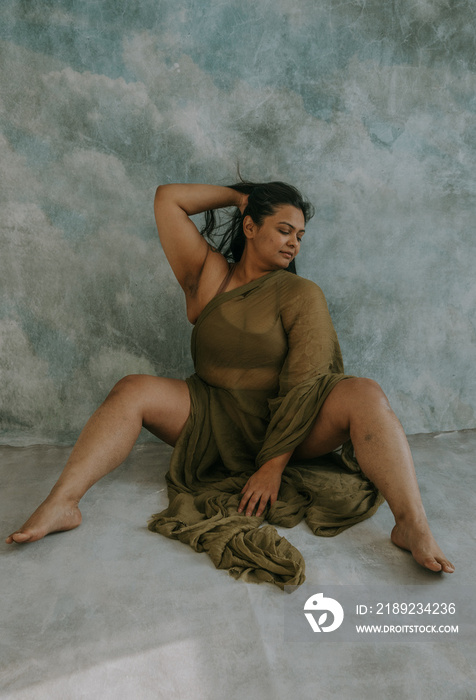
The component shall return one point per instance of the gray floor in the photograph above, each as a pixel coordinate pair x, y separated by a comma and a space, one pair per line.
112, 610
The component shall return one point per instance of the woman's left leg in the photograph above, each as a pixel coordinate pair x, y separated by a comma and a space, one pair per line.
358, 409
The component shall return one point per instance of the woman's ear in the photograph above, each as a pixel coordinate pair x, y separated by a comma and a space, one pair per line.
249, 227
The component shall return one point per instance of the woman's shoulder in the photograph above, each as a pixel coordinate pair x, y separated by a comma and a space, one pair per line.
297, 285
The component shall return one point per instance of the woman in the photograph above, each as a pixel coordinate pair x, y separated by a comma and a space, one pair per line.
269, 392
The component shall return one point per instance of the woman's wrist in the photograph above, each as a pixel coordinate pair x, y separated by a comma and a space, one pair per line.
277, 464
240, 199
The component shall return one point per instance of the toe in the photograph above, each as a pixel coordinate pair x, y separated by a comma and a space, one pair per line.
447, 566
20, 537
432, 564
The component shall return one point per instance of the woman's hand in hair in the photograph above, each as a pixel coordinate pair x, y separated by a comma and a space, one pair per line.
243, 202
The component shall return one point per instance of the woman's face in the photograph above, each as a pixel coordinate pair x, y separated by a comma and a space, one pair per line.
277, 241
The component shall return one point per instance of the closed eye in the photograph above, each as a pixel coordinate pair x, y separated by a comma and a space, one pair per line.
287, 233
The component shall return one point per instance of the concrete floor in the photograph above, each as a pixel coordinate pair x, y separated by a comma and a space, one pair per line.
111, 610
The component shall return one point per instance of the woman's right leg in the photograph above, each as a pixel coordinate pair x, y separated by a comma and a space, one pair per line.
161, 405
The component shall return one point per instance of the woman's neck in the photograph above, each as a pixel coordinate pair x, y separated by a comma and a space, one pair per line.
247, 270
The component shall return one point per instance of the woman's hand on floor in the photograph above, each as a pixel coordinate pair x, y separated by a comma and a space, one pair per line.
261, 487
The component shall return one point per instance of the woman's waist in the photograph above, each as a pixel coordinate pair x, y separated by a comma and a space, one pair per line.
262, 382
231, 400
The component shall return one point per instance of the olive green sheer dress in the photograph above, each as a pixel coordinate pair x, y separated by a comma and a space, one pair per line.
266, 357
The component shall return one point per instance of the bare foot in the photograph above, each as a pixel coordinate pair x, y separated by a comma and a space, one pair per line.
53, 515
419, 540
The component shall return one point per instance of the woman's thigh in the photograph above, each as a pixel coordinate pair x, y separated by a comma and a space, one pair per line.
348, 402
163, 403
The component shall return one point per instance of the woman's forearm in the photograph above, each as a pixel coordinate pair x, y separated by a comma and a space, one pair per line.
279, 463
194, 199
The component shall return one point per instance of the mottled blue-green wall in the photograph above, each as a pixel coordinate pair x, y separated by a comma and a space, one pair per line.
368, 106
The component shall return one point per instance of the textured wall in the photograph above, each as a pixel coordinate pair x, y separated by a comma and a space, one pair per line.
368, 106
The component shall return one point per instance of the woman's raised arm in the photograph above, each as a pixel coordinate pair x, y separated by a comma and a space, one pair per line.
185, 248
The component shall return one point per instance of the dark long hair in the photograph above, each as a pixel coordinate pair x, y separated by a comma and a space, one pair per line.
263, 200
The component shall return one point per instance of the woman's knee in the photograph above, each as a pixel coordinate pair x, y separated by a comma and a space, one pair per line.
366, 394
131, 386
158, 400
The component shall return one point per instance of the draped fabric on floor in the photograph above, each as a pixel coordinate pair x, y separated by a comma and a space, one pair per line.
266, 357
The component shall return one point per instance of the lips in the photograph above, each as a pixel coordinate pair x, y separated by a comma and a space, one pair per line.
286, 254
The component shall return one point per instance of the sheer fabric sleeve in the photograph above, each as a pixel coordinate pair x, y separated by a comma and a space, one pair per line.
312, 368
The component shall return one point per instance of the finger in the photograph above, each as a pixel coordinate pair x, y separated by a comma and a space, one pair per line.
262, 505
243, 502
251, 504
